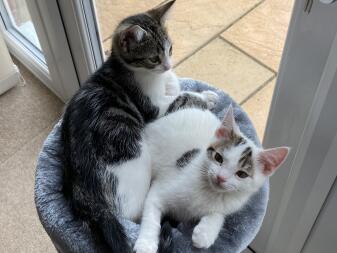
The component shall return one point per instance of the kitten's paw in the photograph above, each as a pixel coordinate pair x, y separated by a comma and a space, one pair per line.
200, 238
211, 98
145, 246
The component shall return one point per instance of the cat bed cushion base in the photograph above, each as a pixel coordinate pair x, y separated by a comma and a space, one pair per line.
71, 236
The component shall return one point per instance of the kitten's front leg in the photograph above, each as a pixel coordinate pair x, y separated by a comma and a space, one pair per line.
172, 87
148, 238
207, 231
204, 100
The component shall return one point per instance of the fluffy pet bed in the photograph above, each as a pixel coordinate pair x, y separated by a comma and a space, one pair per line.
69, 235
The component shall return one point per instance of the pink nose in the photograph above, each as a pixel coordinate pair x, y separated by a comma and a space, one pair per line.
220, 179
167, 66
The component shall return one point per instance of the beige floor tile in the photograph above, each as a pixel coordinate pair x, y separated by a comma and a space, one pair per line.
223, 66
24, 112
192, 23
258, 107
107, 47
21, 230
263, 31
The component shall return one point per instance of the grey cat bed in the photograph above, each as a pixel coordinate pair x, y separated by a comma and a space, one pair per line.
69, 235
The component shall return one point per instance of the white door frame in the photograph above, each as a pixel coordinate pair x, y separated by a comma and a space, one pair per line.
301, 100
312, 174
79, 20
50, 30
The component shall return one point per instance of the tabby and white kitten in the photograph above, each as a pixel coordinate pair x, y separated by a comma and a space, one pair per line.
145, 48
107, 164
202, 169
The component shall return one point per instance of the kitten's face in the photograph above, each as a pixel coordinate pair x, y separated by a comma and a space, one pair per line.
143, 43
234, 166
235, 163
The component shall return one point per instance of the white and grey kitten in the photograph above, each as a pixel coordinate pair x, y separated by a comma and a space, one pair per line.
220, 171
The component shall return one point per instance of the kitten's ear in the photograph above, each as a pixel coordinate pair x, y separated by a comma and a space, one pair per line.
271, 159
223, 133
229, 120
161, 12
228, 124
131, 36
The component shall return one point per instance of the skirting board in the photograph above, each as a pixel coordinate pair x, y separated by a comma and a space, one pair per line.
12, 79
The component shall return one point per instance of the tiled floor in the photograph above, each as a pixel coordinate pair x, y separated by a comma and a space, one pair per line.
234, 44
27, 114
262, 32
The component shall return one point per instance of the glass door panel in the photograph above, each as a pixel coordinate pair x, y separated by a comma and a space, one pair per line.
34, 33
18, 22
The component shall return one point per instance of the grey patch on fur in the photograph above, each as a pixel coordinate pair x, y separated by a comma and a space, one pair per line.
187, 157
246, 161
239, 140
186, 101
210, 150
233, 140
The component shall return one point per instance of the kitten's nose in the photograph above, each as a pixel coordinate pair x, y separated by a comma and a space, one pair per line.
220, 179
167, 66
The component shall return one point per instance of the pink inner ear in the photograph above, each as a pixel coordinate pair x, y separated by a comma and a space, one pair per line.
222, 133
131, 35
271, 159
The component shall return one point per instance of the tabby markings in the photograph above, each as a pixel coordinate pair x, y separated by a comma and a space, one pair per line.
187, 157
245, 161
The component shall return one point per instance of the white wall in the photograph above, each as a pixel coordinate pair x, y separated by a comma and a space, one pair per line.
9, 75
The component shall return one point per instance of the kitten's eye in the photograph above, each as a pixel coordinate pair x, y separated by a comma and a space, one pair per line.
218, 158
154, 59
170, 52
241, 174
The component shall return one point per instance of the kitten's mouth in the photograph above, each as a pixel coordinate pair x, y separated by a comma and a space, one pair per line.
215, 185
219, 187
161, 71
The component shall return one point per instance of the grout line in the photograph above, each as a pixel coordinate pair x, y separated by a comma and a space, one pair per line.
257, 90
107, 38
247, 54
219, 33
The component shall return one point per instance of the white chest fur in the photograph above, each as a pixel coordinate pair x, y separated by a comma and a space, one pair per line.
134, 178
155, 85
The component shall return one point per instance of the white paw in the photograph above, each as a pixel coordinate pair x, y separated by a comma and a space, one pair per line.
211, 98
145, 246
201, 238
